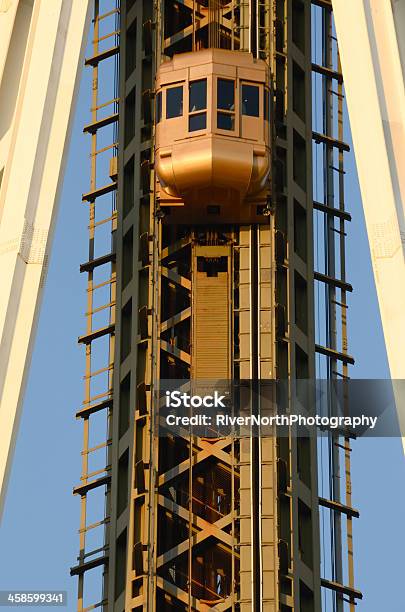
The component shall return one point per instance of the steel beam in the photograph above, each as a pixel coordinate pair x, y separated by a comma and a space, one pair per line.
41, 47
371, 38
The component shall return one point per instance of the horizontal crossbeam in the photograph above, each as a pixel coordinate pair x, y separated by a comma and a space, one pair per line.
338, 507
344, 357
97, 193
93, 484
330, 280
91, 128
342, 589
99, 261
84, 413
99, 57
330, 142
77, 570
328, 72
335, 212
98, 333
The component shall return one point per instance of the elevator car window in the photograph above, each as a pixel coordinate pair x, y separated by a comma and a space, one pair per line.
226, 94
197, 122
250, 100
198, 95
226, 104
174, 102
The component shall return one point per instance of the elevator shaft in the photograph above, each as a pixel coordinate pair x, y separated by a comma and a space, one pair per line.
211, 277
216, 497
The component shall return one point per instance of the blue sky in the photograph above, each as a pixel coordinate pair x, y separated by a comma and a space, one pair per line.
38, 535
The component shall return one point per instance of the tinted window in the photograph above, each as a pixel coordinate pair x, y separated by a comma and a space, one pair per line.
226, 94
197, 122
159, 107
198, 95
225, 121
174, 102
250, 100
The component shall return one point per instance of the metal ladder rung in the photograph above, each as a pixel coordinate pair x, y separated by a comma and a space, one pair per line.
80, 569
98, 333
95, 59
89, 486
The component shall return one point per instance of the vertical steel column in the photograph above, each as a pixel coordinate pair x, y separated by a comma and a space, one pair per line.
89, 324
133, 530
330, 267
267, 447
299, 572
335, 356
245, 371
345, 347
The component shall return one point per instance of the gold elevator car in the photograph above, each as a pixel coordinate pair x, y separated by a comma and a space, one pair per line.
212, 141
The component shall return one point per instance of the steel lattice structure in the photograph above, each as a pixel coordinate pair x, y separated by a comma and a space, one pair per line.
217, 228
224, 524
